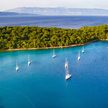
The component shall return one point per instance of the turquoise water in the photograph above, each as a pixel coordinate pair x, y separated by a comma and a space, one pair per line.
43, 85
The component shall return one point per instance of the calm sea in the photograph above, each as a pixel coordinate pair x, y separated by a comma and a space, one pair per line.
43, 84
54, 21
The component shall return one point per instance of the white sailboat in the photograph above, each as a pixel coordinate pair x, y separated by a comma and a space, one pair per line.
54, 55
79, 56
29, 61
83, 50
68, 75
17, 67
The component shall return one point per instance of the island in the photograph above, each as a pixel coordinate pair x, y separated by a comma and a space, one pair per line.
32, 37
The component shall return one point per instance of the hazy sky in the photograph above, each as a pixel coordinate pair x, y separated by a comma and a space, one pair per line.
9, 4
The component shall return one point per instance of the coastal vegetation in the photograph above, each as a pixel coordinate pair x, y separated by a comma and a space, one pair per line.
18, 37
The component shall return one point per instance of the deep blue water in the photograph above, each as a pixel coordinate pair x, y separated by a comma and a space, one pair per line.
43, 85
55, 21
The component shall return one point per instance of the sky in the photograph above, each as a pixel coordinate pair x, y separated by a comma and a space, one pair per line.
10, 4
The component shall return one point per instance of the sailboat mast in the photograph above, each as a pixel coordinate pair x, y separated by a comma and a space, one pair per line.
53, 52
66, 66
68, 75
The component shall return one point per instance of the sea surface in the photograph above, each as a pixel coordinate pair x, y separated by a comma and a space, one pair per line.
53, 21
43, 84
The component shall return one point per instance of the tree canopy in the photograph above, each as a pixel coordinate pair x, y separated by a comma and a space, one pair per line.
42, 37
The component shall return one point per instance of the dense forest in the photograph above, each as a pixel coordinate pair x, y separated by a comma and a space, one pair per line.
42, 37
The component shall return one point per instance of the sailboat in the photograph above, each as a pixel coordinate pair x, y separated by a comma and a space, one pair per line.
29, 61
83, 50
54, 55
68, 75
79, 56
17, 67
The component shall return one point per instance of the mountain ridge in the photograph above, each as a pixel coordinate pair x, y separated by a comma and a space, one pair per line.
59, 11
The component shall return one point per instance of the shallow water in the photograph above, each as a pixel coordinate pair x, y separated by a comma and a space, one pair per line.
43, 85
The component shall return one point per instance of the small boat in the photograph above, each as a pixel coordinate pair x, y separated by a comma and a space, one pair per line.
17, 67
29, 61
54, 55
83, 50
68, 75
79, 56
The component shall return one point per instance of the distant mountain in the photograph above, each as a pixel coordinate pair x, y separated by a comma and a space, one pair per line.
60, 11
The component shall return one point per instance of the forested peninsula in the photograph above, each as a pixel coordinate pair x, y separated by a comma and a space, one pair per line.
26, 37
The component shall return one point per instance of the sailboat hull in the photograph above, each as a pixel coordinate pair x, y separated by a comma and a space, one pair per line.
78, 58
17, 68
68, 76
82, 51
54, 56
29, 63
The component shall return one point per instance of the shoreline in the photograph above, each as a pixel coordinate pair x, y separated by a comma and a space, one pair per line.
69, 46
24, 49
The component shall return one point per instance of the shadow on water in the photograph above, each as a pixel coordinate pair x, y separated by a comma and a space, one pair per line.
1, 102
1, 106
